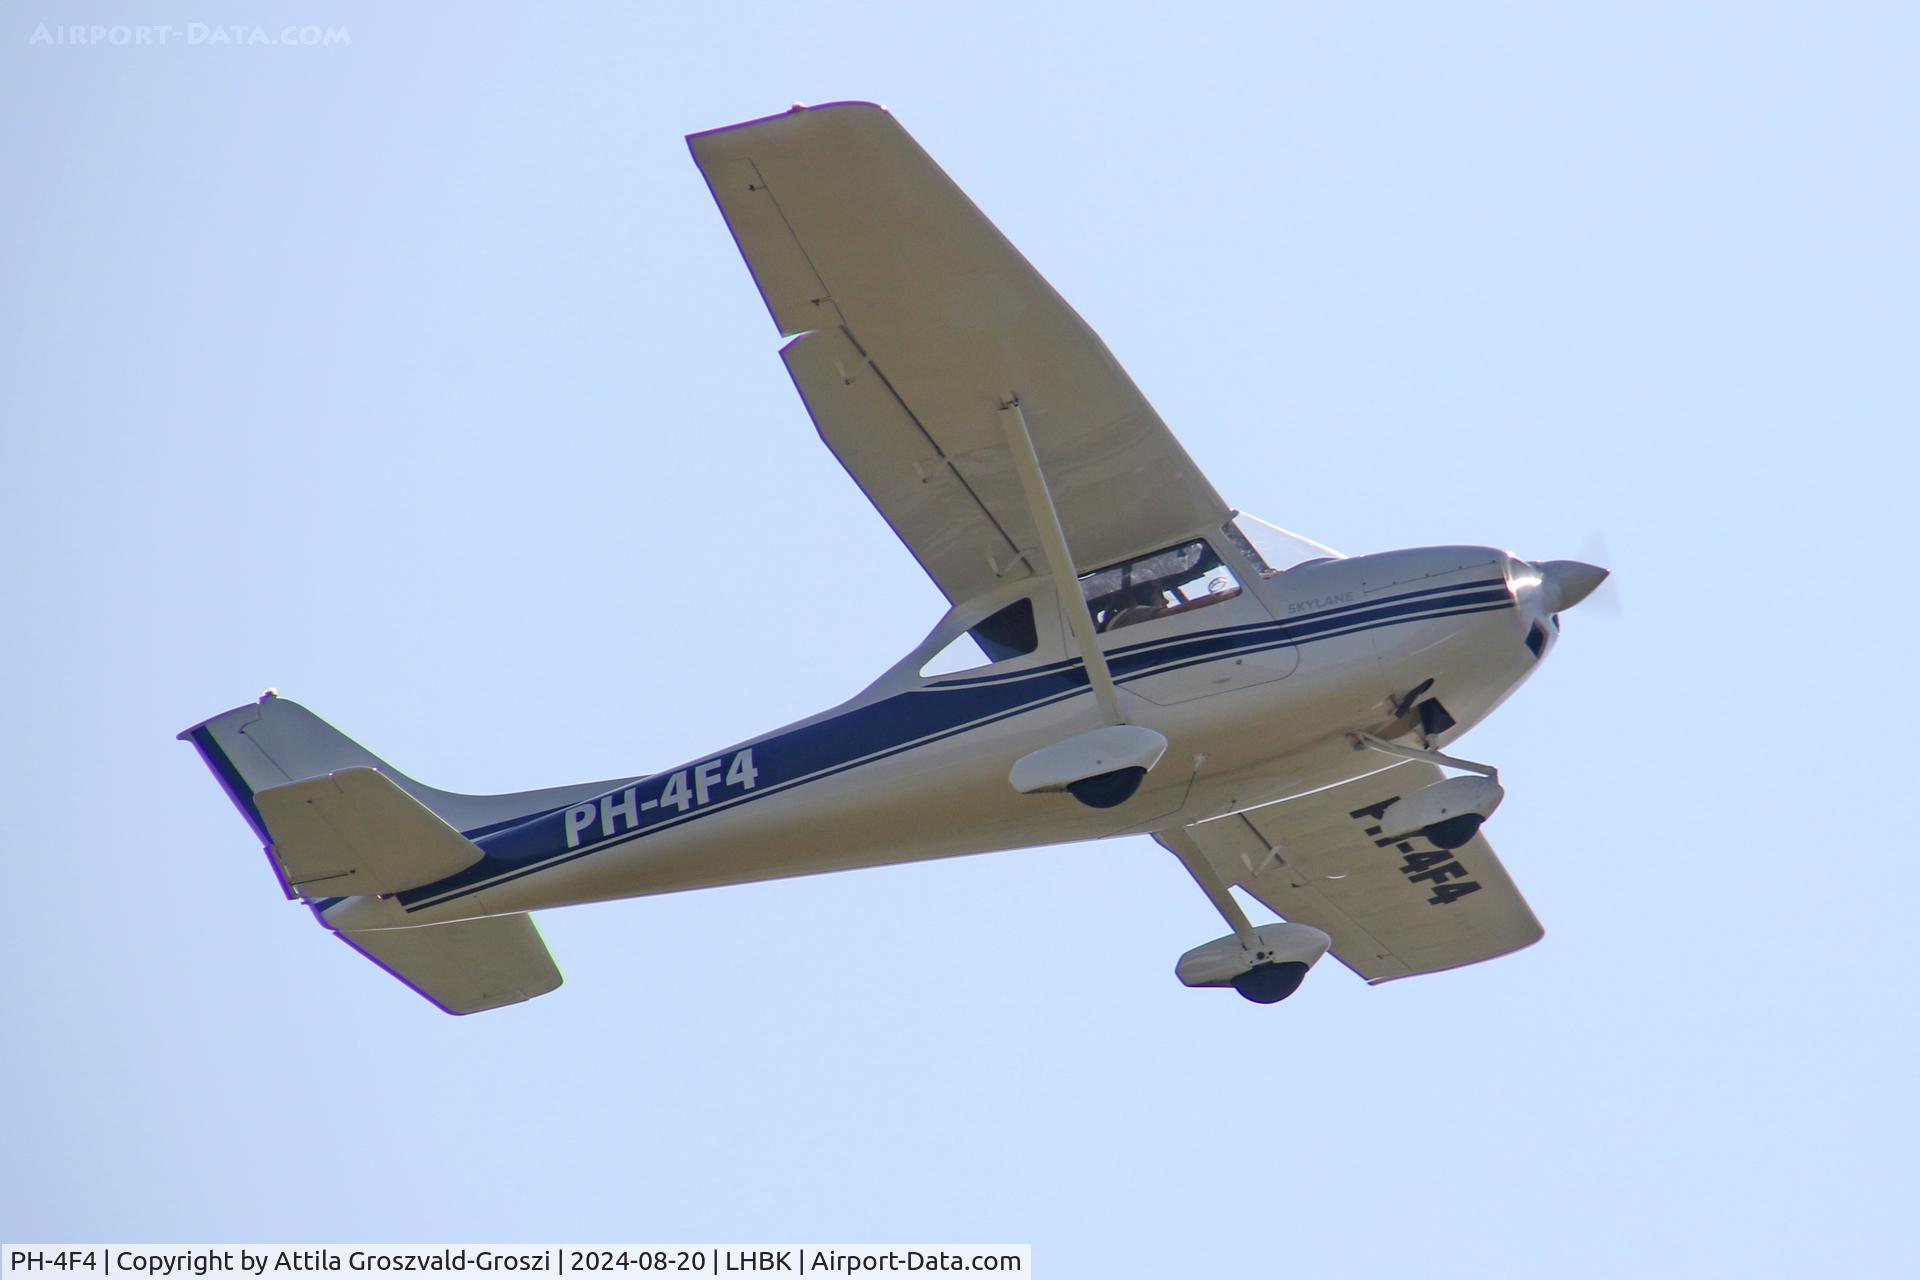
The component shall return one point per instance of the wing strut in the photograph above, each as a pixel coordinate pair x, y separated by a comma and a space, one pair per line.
1053, 540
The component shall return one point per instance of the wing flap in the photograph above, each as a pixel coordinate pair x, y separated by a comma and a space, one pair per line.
354, 831
1393, 908
919, 491
467, 966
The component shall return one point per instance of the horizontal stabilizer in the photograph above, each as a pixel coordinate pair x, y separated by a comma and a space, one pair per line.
467, 966
355, 831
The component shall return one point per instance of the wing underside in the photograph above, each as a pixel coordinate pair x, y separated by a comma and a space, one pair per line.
917, 320
465, 967
1394, 908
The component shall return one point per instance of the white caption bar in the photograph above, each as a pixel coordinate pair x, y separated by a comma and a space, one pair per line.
184, 1261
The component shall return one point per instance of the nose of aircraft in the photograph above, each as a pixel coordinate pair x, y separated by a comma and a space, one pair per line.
1565, 583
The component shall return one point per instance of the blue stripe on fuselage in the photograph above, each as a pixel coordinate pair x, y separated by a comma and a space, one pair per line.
918, 717
1304, 627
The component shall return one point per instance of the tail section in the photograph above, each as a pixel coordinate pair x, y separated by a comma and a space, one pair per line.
354, 832
272, 742
343, 829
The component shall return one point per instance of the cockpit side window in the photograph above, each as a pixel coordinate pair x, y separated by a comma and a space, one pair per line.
1009, 633
1158, 585
999, 637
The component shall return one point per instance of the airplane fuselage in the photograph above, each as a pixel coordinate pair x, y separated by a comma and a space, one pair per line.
1259, 695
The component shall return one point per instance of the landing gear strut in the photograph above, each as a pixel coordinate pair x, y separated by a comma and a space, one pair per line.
1448, 813
1264, 964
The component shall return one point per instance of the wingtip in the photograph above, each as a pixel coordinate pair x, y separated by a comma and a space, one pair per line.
797, 108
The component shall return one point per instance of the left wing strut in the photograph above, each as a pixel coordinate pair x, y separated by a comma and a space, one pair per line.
1053, 539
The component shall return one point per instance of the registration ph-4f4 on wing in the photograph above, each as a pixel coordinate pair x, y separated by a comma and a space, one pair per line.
1144, 659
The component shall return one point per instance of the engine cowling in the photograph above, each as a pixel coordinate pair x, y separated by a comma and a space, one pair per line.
1266, 971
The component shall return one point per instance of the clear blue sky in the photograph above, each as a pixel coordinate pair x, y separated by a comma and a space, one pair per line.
419, 378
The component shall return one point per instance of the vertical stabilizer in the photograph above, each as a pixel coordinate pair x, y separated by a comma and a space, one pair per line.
273, 742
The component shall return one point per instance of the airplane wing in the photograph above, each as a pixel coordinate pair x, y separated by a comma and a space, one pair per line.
1393, 908
917, 320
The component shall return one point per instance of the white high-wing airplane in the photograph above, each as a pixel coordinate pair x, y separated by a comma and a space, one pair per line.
1144, 658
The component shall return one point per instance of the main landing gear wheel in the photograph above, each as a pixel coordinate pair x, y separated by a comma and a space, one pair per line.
1105, 790
1271, 983
1453, 832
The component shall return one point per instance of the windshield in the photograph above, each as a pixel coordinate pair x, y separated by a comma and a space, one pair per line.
1271, 548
